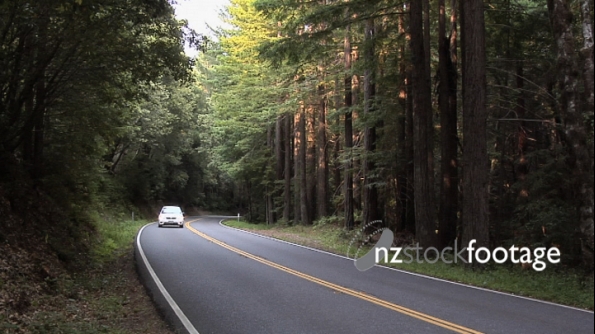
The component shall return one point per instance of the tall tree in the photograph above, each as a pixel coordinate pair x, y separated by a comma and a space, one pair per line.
370, 190
301, 165
321, 154
348, 180
406, 192
311, 157
287, 175
279, 158
475, 159
447, 105
425, 223
248, 121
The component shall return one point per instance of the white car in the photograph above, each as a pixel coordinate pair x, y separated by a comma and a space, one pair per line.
171, 215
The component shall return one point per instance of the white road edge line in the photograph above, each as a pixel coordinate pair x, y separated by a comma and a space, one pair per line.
410, 273
187, 324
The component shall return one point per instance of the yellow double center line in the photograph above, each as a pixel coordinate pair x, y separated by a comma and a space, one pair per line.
418, 315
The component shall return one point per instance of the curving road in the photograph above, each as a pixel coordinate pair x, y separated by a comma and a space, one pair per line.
208, 278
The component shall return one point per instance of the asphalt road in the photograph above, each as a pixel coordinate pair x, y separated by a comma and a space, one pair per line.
208, 278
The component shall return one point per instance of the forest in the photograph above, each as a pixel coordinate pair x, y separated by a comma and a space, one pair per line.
443, 120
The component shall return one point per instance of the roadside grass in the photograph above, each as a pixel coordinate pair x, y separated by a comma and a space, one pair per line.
105, 297
115, 235
555, 284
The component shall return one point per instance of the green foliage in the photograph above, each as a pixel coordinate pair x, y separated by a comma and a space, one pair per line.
247, 97
72, 78
544, 214
329, 220
114, 234
97, 50
162, 154
280, 57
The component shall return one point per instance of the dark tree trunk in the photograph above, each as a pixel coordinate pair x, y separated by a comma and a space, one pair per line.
298, 168
348, 180
402, 158
302, 146
406, 182
448, 128
39, 130
311, 163
322, 160
337, 166
279, 146
250, 213
522, 168
425, 224
409, 156
475, 159
357, 138
288, 154
269, 204
370, 190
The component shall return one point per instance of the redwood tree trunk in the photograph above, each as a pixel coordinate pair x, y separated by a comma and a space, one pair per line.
337, 165
301, 167
321, 156
311, 163
288, 152
348, 206
423, 156
279, 146
409, 216
448, 128
370, 190
407, 188
475, 158
268, 206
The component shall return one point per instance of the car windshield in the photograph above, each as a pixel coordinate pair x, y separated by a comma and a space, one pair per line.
171, 210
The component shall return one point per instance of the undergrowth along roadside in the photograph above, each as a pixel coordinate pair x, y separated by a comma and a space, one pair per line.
555, 284
105, 297
115, 235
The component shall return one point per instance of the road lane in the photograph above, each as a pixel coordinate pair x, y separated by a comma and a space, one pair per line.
341, 289
223, 292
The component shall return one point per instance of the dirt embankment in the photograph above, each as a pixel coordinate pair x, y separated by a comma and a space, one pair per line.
48, 283
29, 267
